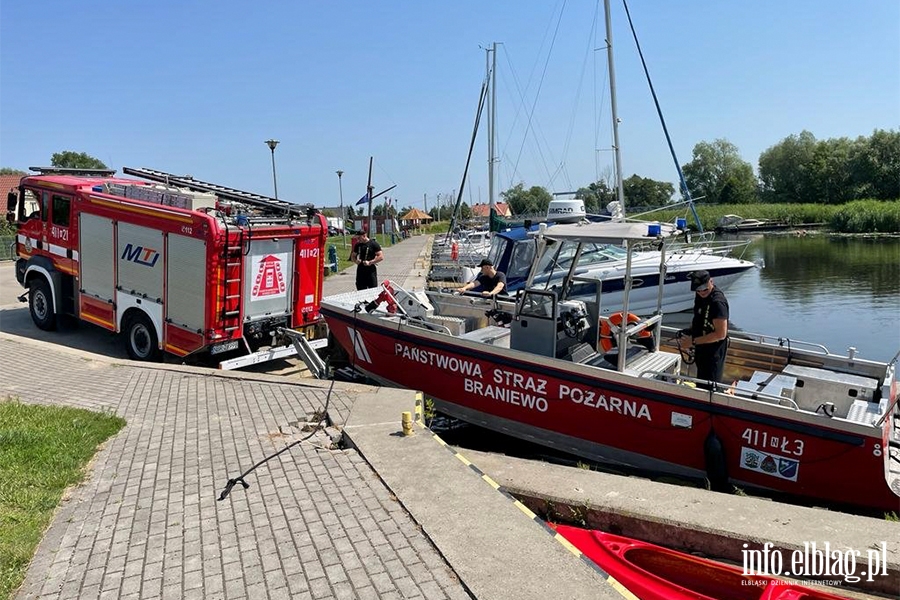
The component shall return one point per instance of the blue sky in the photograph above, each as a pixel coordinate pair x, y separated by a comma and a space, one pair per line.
197, 87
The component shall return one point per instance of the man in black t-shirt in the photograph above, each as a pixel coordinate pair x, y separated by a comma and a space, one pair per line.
709, 327
366, 254
489, 282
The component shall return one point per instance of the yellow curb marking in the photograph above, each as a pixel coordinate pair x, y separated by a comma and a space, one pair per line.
618, 587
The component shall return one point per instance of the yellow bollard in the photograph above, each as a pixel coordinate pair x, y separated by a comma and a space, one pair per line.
407, 423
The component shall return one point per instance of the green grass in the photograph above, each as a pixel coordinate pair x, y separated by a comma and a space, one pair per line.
860, 216
43, 450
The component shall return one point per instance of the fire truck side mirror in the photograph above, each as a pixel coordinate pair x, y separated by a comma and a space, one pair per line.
12, 199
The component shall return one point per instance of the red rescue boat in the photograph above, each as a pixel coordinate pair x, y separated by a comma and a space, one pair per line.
790, 418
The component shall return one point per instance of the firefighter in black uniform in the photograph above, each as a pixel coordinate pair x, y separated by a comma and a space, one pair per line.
709, 327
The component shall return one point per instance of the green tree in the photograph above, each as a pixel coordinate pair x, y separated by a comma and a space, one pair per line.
383, 210
441, 212
787, 170
875, 164
76, 160
643, 192
831, 174
534, 200
718, 174
596, 196
11, 171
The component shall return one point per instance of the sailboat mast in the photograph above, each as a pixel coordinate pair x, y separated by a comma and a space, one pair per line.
620, 185
369, 190
491, 65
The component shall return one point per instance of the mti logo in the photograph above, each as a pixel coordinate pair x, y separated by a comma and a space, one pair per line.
141, 255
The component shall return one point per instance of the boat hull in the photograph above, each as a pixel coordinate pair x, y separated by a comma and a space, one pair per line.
616, 417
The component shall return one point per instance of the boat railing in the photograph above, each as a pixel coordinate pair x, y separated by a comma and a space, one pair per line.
723, 388
782, 342
702, 244
642, 325
425, 324
736, 248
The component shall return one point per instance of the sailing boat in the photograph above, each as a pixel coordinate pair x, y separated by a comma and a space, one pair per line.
455, 256
513, 250
796, 418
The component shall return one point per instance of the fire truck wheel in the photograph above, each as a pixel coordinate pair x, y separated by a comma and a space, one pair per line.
40, 303
140, 339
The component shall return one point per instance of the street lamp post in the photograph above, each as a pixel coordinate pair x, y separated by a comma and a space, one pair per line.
272, 144
343, 214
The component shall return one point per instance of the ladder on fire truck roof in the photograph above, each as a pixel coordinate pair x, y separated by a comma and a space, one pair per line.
73, 171
225, 193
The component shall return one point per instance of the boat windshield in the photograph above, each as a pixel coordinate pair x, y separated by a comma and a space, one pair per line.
478, 238
592, 255
521, 260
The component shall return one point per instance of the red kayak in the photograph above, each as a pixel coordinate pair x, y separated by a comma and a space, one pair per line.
655, 573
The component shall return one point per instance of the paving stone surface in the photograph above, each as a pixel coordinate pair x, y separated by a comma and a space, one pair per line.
316, 522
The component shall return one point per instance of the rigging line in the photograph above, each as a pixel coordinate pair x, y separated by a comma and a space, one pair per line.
521, 105
598, 106
684, 188
584, 66
560, 170
386, 174
481, 102
515, 120
540, 85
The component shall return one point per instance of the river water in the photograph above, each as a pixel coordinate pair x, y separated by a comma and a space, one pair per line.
835, 291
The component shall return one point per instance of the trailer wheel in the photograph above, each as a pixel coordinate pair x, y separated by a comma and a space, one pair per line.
140, 339
40, 303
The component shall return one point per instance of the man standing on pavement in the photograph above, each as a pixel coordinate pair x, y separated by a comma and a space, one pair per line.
490, 281
709, 327
366, 254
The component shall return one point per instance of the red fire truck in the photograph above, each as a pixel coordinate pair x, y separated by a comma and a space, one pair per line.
173, 264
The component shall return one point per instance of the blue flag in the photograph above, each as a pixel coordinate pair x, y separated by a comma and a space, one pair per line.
363, 200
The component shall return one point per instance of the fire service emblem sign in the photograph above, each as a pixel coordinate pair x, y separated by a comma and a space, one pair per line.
268, 277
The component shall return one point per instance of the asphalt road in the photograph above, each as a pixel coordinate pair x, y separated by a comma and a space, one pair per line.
16, 320
9, 287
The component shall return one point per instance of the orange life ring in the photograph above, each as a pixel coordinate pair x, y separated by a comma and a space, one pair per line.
607, 339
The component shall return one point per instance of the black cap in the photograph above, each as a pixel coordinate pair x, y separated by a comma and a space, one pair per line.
485, 263
698, 278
